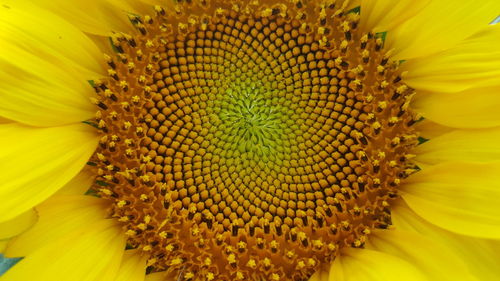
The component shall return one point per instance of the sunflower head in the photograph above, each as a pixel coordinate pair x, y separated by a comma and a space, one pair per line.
251, 140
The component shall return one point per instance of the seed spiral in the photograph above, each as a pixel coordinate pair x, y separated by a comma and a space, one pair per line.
243, 140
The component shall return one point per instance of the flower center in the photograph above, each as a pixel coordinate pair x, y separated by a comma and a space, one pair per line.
249, 142
249, 122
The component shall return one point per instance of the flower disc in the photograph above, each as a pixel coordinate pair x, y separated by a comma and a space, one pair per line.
242, 141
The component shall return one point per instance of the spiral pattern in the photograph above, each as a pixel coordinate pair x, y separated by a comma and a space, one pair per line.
252, 143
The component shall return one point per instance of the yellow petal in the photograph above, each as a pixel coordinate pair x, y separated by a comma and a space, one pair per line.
3, 245
369, 265
4, 120
461, 145
458, 196
18, 224
481, 256
473, 63
45, 64
430, 130
92, 254
473, 108
320, 275
431, 258
99, 17
150, 2
78, 185
36, 162
133, 267
439, 25
353, 4
52, 38
384, 15
58, 216
146, 7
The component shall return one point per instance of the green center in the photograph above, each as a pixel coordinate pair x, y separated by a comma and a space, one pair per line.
251, 120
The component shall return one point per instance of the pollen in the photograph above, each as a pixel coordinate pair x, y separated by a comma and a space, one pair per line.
250, 139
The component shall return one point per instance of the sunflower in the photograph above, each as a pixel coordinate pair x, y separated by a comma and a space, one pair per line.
250, 140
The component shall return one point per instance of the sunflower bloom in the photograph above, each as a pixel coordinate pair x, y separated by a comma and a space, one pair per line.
250, 140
